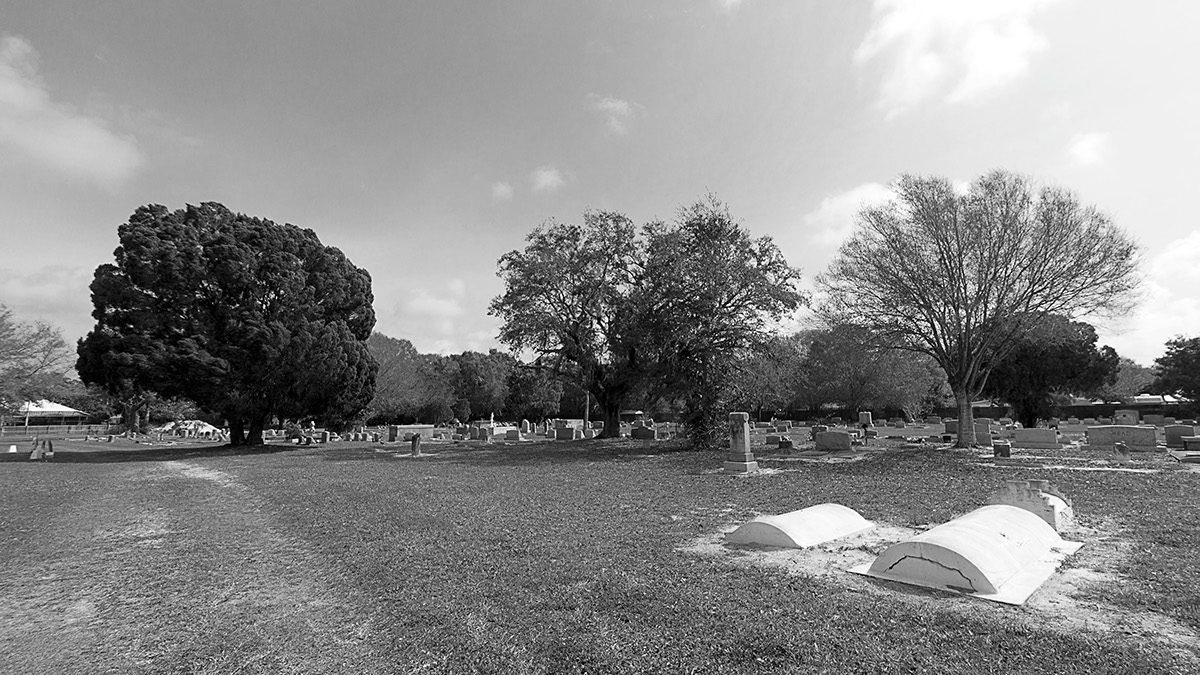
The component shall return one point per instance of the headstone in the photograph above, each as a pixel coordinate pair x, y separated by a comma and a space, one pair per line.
1170, 420
416, 445
1035, 439
12, 448
1125, 418
325, 436
525, 426
590, 432
1089, 422
1120, 452
983, 433
392, 433
1073, 420
1053, 423
864, 419
933, 420
816, 429
834, 441
739, 459
1191, 443
952, 426
1104, 420
871, 433
513, 435
1138, 438
1156, 420
786, 444
1001, 449
1175, 434
1040, 498
645, 433
773, 439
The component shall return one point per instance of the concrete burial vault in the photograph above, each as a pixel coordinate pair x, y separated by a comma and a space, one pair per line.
1000, 553
801, 529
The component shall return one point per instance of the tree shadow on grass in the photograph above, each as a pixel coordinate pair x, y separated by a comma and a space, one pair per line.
163, 454
507, 454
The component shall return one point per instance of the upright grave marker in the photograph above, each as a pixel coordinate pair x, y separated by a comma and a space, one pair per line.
740, 460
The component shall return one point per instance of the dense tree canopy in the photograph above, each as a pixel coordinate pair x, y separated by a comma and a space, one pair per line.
1056, 357
1178, 370
1132, 379
661, 312
961, 276
245, 317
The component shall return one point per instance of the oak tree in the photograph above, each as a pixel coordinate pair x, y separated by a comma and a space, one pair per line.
960, 276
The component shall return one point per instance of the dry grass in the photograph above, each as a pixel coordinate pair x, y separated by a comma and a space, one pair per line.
545, 557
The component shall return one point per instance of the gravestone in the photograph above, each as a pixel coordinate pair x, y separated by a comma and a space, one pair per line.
1125, 418
864, 419
870, 433
952, 426
1170, 420
983, 433
816, 429
393, 432
325, 436
646, 433
1190, 443
1104, 420
739, 459
1175, 434
1138, 438
1089, 422
1035, 439
1001, 449
513, 435
1053, 423
1073, 420
786, 444
1156, 420
1121, 453
834, 441
416, 445
933, 420
1040, 498
525, 426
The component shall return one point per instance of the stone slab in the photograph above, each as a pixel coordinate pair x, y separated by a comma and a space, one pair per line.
1140, 437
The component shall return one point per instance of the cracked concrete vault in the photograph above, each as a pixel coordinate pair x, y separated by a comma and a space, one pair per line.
999, 552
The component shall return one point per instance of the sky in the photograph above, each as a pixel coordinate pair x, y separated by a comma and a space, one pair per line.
425, 139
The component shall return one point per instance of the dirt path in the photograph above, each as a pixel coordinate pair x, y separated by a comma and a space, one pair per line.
173, 566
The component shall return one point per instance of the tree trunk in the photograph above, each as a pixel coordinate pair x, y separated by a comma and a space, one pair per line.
237, 434
612, 420
966, 419
255, 437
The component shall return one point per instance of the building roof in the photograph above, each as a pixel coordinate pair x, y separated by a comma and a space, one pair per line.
44, 408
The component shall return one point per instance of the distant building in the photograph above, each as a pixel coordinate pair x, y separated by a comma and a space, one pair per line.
46, 412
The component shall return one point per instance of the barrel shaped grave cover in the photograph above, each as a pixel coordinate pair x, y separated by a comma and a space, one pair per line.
997, 552
801, 529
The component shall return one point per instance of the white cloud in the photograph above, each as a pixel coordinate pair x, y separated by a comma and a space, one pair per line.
1169, 304
951, 49
618, 113
1088, 149
546, 179
57, 294
51, 133
729, 5
502, 191
831, 222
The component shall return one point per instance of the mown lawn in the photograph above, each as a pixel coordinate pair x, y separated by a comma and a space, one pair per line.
553, 557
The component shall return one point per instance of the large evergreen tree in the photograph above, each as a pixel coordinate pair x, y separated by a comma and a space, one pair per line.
245, 317
1056, 357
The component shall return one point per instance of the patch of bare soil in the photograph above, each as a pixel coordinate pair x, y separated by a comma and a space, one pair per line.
1058, 605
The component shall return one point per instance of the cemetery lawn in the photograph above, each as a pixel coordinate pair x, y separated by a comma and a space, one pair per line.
581, 557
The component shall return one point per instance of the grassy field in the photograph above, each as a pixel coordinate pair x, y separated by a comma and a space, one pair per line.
580, 557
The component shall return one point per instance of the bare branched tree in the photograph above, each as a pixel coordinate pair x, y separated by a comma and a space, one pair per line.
28, 351
960, 276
